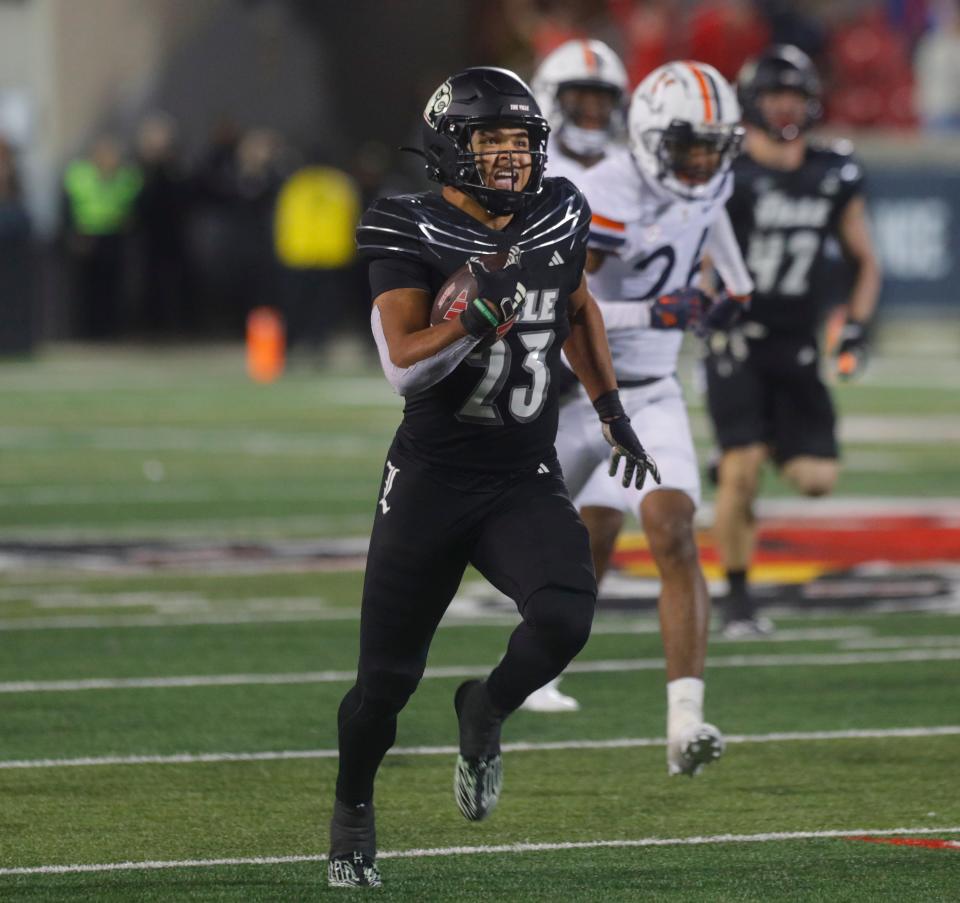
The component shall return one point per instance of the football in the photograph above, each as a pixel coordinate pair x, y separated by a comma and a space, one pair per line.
459, 290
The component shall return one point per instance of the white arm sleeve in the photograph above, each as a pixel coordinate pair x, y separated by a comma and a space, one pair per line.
625, 314
422, 374
724, 251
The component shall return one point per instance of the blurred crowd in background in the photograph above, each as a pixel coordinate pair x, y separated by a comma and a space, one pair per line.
152, 244
886, 63
156, 245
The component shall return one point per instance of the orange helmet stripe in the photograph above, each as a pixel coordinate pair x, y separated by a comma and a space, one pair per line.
704, 93
589, 57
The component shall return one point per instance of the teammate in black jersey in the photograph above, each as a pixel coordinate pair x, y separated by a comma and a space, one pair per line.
472, 475
791, 201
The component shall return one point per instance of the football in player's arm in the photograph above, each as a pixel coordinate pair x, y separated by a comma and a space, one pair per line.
472, 476
766, 398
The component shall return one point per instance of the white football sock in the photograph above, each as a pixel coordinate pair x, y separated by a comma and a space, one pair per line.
684, 703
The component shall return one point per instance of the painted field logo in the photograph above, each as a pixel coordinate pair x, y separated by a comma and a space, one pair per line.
928, 843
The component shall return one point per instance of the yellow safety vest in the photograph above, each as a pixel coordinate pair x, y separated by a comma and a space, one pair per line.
100, 206
316, 215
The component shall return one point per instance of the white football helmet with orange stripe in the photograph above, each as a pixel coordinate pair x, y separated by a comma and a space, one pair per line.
684, 128
586, 64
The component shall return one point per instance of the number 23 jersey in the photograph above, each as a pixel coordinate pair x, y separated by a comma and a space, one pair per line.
497, 411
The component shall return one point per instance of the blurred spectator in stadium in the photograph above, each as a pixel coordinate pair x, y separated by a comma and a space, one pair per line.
911, 18
725, 33
100, 192
262, 163
166, 300
376, 176
536, 27
871, 74
16, 269
795, 24
316, 214
938, 71
650, 36
237, 185
546, 24
14, 219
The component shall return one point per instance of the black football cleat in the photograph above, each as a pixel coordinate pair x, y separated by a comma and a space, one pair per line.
353, 847
353, 870
479, 773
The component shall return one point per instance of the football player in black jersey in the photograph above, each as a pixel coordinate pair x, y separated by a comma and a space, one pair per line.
792, 200
472, 475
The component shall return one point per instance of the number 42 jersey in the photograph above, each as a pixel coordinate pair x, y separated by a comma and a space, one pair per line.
497, 412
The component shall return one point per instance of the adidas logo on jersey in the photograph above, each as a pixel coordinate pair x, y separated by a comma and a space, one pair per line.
556, 260
543, 468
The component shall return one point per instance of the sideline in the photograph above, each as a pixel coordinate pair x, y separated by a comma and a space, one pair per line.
610, 666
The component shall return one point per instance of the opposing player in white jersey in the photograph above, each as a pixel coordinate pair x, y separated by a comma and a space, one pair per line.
581, 88
658, 206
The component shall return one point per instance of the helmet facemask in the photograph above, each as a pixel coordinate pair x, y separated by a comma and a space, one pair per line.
473, 165
591, 117
688, 158
790, 128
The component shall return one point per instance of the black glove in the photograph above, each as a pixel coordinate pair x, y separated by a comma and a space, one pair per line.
618, 432
678, 310
725, 312
852, 350
500, 295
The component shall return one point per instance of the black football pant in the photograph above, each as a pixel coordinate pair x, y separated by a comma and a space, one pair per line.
526, 538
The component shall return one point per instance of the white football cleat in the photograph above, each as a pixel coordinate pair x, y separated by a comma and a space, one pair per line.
549, 699
748, 629
693, 747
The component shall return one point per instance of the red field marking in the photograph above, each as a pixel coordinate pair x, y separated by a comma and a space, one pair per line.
926, 842
835, 543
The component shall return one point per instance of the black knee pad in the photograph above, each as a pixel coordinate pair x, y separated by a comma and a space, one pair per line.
562, 617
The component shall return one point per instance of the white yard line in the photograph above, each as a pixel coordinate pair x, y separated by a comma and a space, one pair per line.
90, 622
901, 642
508, 848
521, 746
226, 439
911, 429
175, 493
590, 667
604, 626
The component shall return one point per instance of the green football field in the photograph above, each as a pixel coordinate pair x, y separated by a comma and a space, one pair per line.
168, 718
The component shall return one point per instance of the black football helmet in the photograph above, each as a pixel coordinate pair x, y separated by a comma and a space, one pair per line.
781, 68
481, 97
